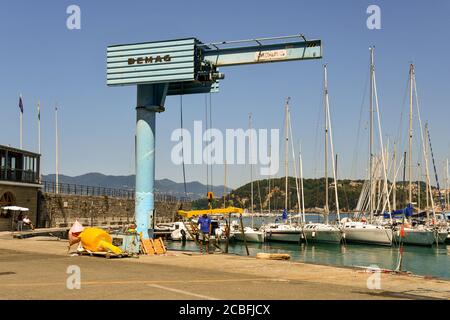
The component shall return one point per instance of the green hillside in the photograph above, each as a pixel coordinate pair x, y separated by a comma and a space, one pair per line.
314, 191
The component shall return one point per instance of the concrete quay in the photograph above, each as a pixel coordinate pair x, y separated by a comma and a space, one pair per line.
36, 268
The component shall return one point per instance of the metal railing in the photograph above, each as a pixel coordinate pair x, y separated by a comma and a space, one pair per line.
83, 190
19, 175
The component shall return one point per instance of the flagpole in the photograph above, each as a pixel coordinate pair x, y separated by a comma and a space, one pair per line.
39, 127
21, 121
39, 133
56, 141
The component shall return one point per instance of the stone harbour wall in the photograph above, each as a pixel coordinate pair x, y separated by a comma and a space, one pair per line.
22, 196
58, 210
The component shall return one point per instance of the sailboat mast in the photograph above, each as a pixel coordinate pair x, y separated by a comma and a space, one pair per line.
418, 186
270, 176
325, 89
301, 184
251, 162
372, 69
446, 187
56, 151
426, 156
333, 163
225, 186
286, 152
394, 187
411, 73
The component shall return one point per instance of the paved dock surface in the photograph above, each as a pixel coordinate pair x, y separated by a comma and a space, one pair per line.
36, 268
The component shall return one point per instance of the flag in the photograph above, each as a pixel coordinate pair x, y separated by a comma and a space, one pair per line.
285, 215
21, 104
39, 111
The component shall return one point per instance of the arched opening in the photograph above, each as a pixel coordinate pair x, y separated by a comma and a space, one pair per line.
7, 199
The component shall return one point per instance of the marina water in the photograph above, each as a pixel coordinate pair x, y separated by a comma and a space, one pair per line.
427, 261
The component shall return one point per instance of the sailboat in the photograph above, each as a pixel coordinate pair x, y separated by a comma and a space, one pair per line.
250, 233
421, 234
284, 232
324, 232
363, 231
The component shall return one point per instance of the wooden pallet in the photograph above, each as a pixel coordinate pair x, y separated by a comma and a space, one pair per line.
153, 246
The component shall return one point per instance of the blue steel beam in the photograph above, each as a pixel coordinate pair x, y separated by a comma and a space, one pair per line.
263, 53
150, 100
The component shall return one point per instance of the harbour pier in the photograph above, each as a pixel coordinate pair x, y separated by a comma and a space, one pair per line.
36, 268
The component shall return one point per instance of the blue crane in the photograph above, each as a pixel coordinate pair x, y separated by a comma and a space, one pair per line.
184, 66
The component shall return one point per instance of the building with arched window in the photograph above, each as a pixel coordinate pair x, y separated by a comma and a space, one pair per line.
19, 183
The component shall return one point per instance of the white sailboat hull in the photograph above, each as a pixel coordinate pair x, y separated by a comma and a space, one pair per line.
284, 235
368, 235
257, 237
328, 236
417, 237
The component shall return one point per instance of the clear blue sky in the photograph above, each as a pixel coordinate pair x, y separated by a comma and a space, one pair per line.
45, 61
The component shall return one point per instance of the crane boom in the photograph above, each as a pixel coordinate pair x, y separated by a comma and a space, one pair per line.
240, 52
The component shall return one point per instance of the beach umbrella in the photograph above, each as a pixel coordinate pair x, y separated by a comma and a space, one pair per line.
15, 208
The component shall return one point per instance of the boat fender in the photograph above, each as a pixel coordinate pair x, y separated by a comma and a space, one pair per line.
313, 234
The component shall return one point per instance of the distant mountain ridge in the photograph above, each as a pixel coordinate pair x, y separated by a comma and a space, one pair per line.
195, 189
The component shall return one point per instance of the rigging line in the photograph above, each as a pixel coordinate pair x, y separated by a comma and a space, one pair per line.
330, 134
435, 171
356, 150
316, 144
400, 140
423, 146
295, 165
383, 158
259, 195
182, 144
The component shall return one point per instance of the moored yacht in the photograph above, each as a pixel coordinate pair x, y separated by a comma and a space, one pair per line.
363, 232
282, 232
421, 236
320, 232
250, 234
